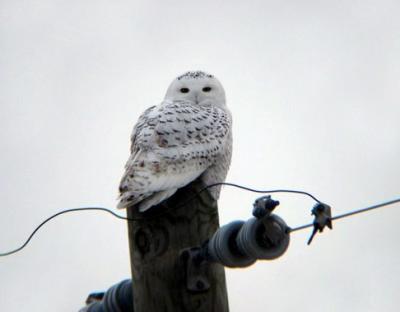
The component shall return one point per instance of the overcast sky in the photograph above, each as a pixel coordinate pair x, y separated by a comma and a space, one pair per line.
313, 87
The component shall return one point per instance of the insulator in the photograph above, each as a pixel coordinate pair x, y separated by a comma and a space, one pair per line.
222, 247
265, 238
117, 298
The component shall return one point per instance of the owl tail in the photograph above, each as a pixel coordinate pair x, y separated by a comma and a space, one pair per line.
144, 202
128, 199
155, 199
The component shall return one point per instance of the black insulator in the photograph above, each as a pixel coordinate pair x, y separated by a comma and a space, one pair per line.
222, 247
117, 298
266, 238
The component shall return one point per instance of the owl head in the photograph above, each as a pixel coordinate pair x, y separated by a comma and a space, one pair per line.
198, 87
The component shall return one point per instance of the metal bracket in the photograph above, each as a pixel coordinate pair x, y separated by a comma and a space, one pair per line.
196, 267
264, 206
322, 217
262, 210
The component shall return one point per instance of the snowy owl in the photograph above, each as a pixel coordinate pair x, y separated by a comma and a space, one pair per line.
185, 137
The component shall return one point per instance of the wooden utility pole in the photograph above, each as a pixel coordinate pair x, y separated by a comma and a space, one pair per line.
156, 242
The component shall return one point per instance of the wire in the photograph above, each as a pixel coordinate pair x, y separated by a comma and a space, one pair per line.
150, 217
349, 214
264, 191
56, 215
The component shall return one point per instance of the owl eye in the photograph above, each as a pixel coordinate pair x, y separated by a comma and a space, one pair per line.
184, 90
207, 89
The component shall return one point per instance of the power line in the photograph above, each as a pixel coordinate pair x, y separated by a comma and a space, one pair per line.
56, 215
349, 214
190, 199
245, 188
154, 216
264, 191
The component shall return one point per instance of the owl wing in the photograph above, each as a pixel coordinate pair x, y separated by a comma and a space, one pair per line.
172, 144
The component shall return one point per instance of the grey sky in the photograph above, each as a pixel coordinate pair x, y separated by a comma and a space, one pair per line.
314, 91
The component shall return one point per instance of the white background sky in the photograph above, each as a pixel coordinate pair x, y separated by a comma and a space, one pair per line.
313, 87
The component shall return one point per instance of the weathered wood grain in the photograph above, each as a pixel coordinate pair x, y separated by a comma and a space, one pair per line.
155, 243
